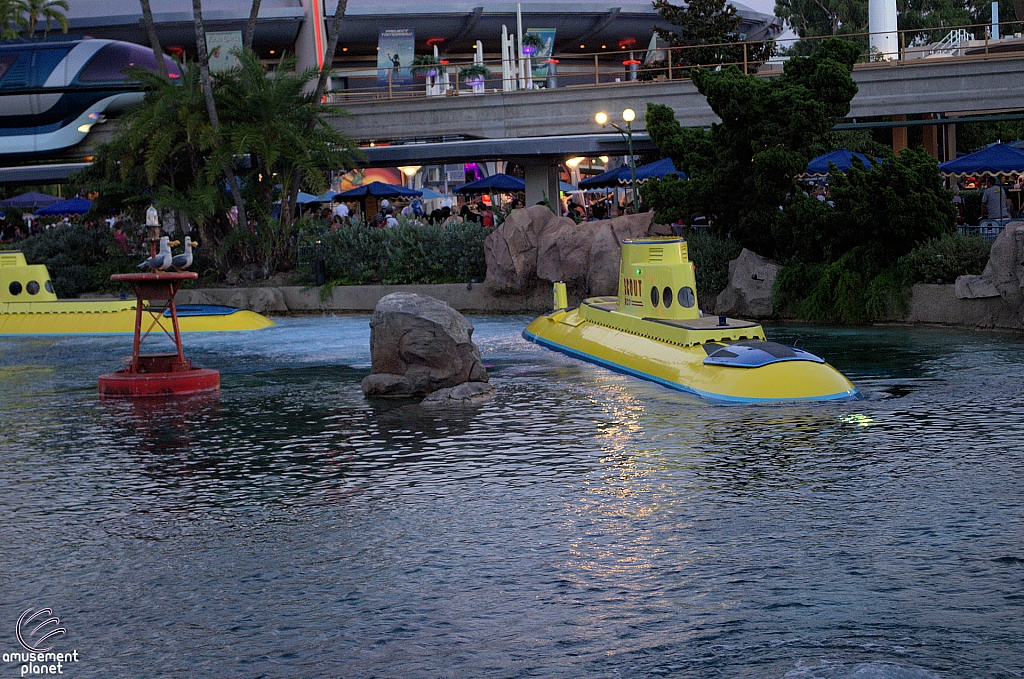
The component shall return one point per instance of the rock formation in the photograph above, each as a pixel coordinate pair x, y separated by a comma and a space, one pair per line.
1004, 273
511, 249
606, 250
418, 345
749, 292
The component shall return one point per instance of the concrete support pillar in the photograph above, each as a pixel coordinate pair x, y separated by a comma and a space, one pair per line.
311, 40
950, 141
541, 181
931, 138
899, 135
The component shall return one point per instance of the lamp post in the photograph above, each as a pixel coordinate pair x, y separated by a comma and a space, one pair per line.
628, 115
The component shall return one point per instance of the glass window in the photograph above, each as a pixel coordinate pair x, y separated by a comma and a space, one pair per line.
14, 70
655, 295
15, 288
49, 286
686, 297
666, 297
46, 61
32, 288
110, 63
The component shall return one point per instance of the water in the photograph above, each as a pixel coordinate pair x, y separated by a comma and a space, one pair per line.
581, 524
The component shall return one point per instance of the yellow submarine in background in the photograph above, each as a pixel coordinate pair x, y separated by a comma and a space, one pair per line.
654, 330
29, 306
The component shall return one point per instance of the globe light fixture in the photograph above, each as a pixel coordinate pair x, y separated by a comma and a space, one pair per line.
628, 115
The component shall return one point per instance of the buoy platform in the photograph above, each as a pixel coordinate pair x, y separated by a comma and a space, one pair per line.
162, 374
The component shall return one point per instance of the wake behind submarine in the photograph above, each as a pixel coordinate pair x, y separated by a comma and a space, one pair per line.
653, 330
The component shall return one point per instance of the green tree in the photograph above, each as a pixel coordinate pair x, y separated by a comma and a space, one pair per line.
702, 28
10, 17
36, 10
742, 169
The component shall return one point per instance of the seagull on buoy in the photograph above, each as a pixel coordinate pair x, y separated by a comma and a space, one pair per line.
184, 260
162, 259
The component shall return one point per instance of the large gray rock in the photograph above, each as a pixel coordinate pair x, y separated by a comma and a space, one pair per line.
749, 292
1005, 268
606, 250
563, 252
464, 394
975, 287
418, 345
511, 250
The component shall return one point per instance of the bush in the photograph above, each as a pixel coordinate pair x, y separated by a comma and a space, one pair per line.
711, 256
945, 258
79, 259
409, 253
972, 205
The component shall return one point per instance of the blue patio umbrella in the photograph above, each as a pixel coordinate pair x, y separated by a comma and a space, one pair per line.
566, 187
430, 194
72, 206
496, 183
306, 198
378, 190
327, 197
998, 159
659, 169
621, 175
842, 159
32, 199
603, 180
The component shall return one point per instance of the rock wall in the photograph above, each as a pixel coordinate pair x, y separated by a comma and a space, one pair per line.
534, 247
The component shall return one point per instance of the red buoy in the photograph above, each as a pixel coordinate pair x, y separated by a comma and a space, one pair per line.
163, 374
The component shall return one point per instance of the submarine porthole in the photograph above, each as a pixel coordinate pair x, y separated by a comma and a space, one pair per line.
15, 288
32, 288
655, 295
49, 286
666, 297
686, 297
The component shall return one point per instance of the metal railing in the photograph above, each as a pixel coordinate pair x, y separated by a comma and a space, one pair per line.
369, 83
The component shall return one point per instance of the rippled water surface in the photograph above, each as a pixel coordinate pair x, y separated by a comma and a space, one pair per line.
581, 524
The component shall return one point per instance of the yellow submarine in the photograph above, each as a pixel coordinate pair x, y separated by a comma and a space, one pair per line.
29, 306
654, 330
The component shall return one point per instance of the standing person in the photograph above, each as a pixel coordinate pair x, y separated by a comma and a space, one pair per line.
995, 203
487, 216
341, 212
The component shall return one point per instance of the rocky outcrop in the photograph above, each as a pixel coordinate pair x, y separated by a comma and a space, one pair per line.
1004, 274
606, 250
749, 292
563, 252
464, 394
418, 345
511, 249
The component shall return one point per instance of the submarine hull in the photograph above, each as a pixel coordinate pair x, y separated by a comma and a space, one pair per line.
800, 377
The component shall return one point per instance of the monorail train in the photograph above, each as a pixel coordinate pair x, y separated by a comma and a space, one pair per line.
53, 91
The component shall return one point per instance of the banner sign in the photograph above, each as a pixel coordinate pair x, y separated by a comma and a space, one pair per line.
395, 49
540, 59
220, 45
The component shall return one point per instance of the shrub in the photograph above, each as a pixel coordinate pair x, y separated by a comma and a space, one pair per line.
79, 259
409, 253
711, 256
945, 258
972, 205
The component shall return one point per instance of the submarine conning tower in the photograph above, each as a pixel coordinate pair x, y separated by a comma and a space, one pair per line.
23, 282
657, 280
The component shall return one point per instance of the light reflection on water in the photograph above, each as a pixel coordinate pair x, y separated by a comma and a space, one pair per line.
582, 523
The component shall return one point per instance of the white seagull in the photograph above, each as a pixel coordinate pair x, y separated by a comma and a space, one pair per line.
162, 260
184, 260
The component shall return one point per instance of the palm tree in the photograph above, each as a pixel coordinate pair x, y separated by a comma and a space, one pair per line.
288, 201
250, 25
10, 17
154, 39
211, 108
35, 10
